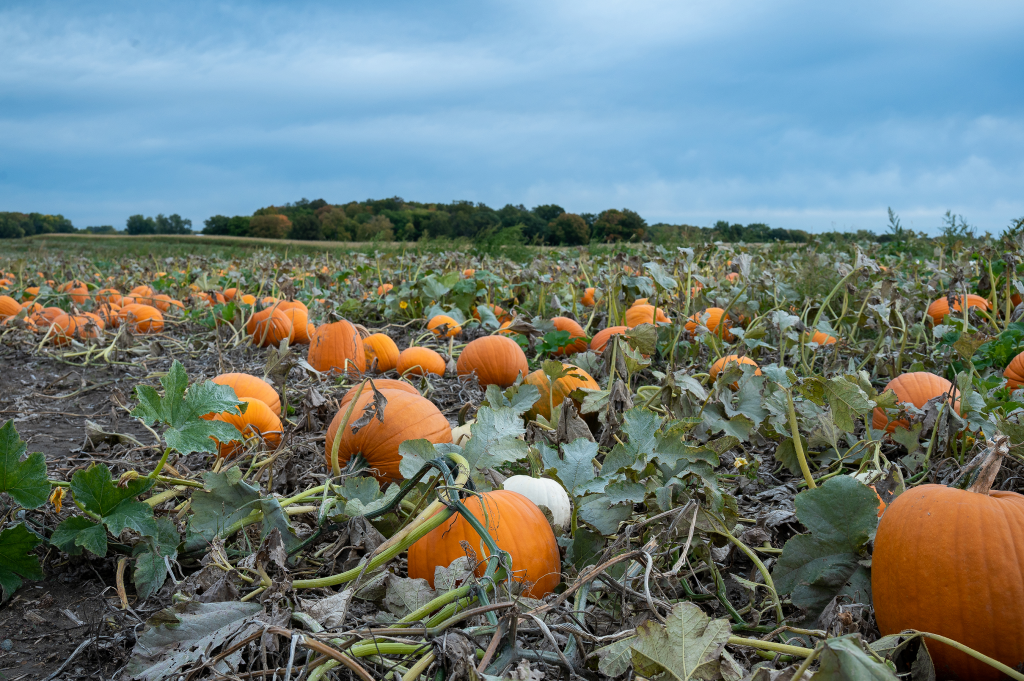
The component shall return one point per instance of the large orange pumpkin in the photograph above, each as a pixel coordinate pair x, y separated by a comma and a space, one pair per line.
77, 291
406, 417
245, 385
164, 302
721, 363
337, 347
916, 387
108, 295
452, 327
714, 323
496, 360
645, 314
517, 526
556, 393
601, 338
419, 361
269, 327
379, 346
259, 420
380, 384
940, 308
577, 339
142, 318
298, 315
1014, 372
949, 561
8, 307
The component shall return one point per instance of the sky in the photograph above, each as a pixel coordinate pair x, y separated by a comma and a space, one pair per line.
806, 115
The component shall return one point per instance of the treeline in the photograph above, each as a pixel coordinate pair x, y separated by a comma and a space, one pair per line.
18, 225
395, 219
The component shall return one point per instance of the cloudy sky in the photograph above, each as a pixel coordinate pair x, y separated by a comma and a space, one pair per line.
810, 115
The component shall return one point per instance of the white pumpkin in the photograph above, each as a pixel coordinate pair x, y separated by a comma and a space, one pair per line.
543, 492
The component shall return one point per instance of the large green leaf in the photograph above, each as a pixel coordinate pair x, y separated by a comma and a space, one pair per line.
16, 559
181, 411
846, 658
226, 500
842, 517
576, 465
150, 567
641, 427
24, 480
77, 533
494, 438
688, 646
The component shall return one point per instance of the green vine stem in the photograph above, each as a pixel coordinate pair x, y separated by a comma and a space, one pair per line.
783, 648
1012, 673
798, 446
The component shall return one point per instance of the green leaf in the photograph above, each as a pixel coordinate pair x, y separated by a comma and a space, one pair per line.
597, 512
182, 411
224, 501
643, 338
415, 454
150, 567
842, 517
77, 533
24, 480
625, 492
847, 401
785, 454
95, 490
576, 465
846, 658
641, 426
585, 547
364, 496
495, 439
134, 514
16, 559
687, 647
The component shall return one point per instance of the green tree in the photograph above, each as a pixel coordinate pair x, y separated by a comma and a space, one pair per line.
172, 224
569, 229
620, 225
307, 227
548, 212
270, 226
12, 225
336, 225
138, 224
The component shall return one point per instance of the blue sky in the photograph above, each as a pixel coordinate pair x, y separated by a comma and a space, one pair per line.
799, 114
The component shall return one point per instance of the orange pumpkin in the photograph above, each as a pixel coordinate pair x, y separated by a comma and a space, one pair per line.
406, 417
940, 308
286, 305
108, 295
299, 317
8, 307
30, 293
229, 294
496, 360
948, 561
733, 277
419, 361
645, 314
714, 323
247, 299
468, 272
721, 363
1014, 372
142, 318
499, 313
917, 388
821, 338
443, 325
380, 384
383, 289
269, 327
577, 339
110, 313
47, 315
337, 347
77, 291
601, 338
245, 385
588, 298
259, 420
379, 346
517, 526
164, 302
553, 395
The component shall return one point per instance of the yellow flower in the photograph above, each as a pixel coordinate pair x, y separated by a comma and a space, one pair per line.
403, 305
57, 498
740, 462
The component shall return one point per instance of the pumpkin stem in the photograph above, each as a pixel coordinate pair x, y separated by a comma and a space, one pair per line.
989, 467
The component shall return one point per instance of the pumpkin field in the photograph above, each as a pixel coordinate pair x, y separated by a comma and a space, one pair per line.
633, 462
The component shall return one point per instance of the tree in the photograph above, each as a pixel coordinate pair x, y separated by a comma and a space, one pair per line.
12, 225
305, 226
620, 225
222, 225
548, 212
138, 224
569, 229
377, 228
336, 225
172, 224
269, 226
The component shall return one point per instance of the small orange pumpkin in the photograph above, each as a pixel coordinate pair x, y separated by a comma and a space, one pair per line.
299, 317
821, 338
259, 420
916, 387
383, 289
577, 339
940, 308
517, 526
443, 325
246, 385
108, 295
406, 417
714, 323
77, 291
553, 395
721, 363
588, 297
1014, 372
601, 338
419, 360
269, 327
379, 346
142, 318
337, 347
496, 360
645, 314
